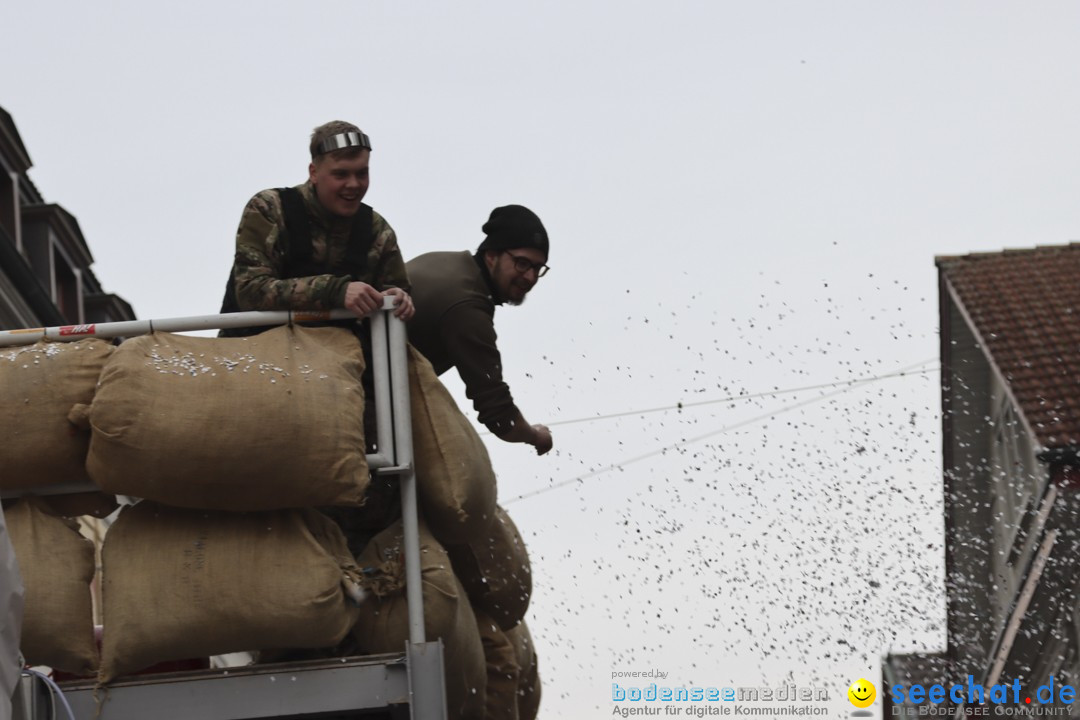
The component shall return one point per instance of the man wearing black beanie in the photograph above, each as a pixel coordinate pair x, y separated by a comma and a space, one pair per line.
455, 294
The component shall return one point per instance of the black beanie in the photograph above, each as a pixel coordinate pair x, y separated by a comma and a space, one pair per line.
514, 226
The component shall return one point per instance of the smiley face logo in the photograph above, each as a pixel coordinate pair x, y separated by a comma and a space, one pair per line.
861, 693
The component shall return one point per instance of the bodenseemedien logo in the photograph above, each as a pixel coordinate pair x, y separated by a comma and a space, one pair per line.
680, 693
705, 701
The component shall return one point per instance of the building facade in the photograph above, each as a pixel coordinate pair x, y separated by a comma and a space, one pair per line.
1010, 354
45, 262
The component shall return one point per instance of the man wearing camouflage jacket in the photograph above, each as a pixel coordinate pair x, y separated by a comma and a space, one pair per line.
316, 246
344, 260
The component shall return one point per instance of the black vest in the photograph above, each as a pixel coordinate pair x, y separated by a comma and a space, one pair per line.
296, 243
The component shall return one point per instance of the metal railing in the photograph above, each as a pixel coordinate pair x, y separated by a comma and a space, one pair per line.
394, 454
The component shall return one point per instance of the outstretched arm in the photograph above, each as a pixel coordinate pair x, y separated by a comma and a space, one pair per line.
468, 333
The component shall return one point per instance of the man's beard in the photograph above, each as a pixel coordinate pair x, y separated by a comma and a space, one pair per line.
510, 286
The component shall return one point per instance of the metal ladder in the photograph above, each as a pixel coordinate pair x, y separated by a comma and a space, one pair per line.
399, 685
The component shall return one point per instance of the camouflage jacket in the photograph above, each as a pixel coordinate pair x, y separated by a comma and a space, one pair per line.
259, 264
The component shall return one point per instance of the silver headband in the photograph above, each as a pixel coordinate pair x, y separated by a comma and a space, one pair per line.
342, 141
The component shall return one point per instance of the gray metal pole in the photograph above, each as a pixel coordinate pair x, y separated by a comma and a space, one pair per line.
427, 689
403, 458
180, 324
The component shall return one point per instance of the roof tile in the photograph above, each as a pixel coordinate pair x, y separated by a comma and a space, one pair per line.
1026, 306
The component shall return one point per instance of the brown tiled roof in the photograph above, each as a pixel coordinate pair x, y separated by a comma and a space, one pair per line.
1026, 306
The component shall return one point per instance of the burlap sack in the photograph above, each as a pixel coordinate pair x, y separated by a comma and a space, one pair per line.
503, 673
191, 583
383, 625
260, 423
529, 681
455, 480
57, 566
11, 615
39, 385
496, 572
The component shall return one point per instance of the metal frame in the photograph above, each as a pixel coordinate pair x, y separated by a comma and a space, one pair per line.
342, 686
300, 689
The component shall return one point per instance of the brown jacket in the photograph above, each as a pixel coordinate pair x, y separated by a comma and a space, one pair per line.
454, 326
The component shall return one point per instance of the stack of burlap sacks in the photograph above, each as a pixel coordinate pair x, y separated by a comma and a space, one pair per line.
231, 444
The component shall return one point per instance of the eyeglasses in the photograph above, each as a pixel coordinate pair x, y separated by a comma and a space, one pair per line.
523, 265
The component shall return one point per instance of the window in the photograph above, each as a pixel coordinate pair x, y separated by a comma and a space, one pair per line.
9, 206
68, 291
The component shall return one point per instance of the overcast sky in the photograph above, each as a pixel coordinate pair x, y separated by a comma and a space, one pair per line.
742, 197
